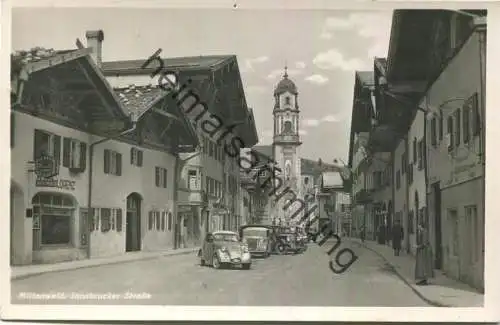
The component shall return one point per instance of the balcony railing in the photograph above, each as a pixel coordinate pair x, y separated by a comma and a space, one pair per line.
286, 138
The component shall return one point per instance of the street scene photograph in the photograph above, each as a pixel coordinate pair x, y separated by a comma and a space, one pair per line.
232, 157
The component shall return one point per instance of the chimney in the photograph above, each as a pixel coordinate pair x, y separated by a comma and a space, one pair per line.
94, 41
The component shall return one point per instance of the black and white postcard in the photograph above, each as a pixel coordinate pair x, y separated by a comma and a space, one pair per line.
250, 160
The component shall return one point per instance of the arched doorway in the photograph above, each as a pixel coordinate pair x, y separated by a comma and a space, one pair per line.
133, 223
17, 221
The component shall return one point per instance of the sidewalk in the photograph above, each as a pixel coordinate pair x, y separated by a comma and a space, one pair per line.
441, 290
21, 272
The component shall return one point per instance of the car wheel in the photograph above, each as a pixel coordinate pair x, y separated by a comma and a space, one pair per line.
215, 262
281, 249
246, 266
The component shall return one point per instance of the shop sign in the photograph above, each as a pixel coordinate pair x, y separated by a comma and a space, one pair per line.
62, 184
46, 166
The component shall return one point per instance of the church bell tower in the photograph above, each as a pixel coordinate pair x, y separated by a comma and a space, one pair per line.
286, 141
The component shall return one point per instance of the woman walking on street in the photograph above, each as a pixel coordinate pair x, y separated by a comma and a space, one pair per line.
423, 265
397, 237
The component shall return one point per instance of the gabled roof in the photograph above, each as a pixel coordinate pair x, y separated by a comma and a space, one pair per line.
138, 99
365, 78
265, 150
184, 63
314, 167
331, 180
75, 71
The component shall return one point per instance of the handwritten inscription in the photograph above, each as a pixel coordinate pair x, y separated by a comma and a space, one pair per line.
63, 184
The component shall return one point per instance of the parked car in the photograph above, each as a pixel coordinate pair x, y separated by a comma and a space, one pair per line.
289, 243
224, 248
258, 239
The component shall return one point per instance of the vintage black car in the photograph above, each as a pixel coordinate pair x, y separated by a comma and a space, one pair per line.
258, 239
224, 248
289, 243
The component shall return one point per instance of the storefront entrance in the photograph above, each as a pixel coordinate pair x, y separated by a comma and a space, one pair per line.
133, 226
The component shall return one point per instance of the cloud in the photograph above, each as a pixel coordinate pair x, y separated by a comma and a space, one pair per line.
333, 59
330, 118
300, 65
326, 35
248, 64
311, 122
374, 26
302, 132
255, 89
379, 49
280, 72
317, 79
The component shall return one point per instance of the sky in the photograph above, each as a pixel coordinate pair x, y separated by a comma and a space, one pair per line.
322, 49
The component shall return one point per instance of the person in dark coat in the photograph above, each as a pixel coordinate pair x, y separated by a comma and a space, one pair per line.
381, 234
423, 266
397, 237
362, 234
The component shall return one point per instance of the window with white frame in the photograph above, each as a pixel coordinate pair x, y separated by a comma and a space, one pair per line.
161, 177
136, 157
112, 162
74, 153
46, 143
193, 180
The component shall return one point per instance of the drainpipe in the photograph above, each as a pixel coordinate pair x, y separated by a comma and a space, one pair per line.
91, 169
407, 194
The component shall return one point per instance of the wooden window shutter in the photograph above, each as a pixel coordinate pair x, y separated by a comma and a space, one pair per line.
57, 149
157, 176
37, 140
458, 127
476, 117
66, 151
150, 219
441, 125
165, 178
139, 158
415, 150
119, 220
118, 164
132, 156
106, 161
83, 156
434, 131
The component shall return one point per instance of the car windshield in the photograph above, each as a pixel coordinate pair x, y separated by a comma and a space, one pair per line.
226, 237
255, 231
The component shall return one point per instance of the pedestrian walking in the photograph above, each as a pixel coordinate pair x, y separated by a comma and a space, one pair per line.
423, 265
397, 237
381, 234
362, 234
